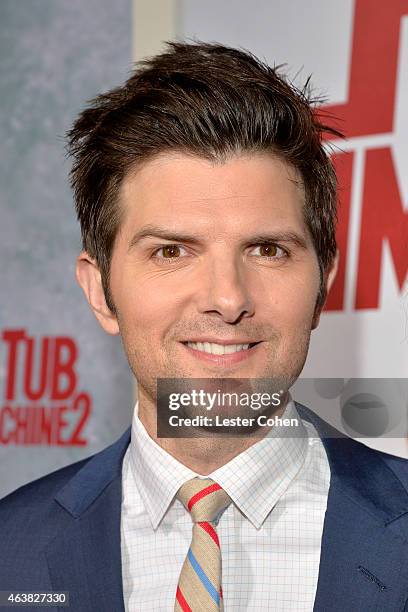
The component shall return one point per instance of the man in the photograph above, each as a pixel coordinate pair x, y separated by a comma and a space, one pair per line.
207, 207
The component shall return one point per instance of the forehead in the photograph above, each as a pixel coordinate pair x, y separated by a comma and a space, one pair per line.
176, 188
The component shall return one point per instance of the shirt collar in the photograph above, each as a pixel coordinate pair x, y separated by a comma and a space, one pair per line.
255, 479
157, 474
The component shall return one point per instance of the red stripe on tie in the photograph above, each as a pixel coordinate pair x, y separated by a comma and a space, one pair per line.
203, 493
183, 604
211, 532
221, 592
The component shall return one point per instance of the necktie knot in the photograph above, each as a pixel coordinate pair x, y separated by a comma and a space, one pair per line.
204, 499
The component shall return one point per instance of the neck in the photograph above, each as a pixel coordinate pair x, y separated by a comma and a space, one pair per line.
201, 454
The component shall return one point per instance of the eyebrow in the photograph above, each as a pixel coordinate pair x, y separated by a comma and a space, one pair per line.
155, 231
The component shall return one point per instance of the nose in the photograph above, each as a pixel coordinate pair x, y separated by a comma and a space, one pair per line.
225, 291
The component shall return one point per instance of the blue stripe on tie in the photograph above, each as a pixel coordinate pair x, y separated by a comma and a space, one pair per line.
203, 577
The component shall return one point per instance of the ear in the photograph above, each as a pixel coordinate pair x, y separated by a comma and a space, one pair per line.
328, 280
89, 278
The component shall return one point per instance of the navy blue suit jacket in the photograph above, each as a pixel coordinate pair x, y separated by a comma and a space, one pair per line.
62, 532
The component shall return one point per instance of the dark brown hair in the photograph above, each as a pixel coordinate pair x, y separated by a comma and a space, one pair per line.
208, 100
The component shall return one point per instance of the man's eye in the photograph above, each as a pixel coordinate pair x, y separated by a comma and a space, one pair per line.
168, 251
271, 250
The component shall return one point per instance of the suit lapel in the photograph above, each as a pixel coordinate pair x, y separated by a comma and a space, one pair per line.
85, 556
364, 554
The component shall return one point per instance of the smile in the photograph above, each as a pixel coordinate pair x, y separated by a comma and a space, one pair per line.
221, 354
219, 349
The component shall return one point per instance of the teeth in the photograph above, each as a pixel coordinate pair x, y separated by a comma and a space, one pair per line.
217, 349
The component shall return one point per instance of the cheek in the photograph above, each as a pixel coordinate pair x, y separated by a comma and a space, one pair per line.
299, 317
146, 313
292, 301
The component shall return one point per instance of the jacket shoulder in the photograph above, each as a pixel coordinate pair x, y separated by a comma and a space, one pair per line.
33, 515
29, 520
349, 456
399, 465
38, 493
40, 490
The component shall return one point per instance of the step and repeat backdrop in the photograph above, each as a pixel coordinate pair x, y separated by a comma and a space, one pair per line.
66, 389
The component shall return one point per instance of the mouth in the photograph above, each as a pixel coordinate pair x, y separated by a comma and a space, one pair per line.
221, 354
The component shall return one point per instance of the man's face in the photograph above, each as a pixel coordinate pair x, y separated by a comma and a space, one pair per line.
225, 257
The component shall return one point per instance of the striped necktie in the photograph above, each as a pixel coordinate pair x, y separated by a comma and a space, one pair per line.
199, 586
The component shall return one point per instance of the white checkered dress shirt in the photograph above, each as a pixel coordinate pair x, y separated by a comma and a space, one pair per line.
270, 535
